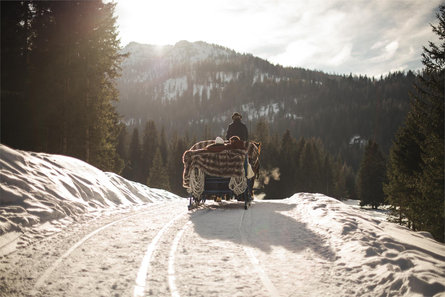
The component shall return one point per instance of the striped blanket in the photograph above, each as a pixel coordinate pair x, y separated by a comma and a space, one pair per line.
226, 163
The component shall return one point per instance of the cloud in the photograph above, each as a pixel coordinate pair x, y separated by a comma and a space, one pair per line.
342, 56
369, 37
362, 37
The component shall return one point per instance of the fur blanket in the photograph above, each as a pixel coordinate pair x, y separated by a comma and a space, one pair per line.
223, 163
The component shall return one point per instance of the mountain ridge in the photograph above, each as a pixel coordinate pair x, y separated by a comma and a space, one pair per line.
193, 88
166, 72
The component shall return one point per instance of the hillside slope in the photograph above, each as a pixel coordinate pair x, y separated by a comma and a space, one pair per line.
195, 87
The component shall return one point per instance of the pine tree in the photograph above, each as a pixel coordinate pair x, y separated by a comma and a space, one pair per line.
287, 165
270, 162
163, 146
371, 177
15, 33
262, 131
432, 89
299, 174
207, 133
175, 166
103, 60
340, 190
133, 170
310, 168
158, 177
150, 143
327, 176
403, 168
122, 146
416, 167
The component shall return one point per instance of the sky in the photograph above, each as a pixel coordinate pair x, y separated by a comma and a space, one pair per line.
367, 37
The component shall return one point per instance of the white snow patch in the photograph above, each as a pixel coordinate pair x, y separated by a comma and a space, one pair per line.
36, 188
358, 140
376, 256
175, 87
226, 77
293, 116
265, 111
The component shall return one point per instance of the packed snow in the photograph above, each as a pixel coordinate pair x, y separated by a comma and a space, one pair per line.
388, 259
113, 237
36, 188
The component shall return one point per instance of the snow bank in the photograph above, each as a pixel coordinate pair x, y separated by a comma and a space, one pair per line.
383, 258
37, 187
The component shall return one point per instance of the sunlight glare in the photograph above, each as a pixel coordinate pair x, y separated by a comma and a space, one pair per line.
162, 22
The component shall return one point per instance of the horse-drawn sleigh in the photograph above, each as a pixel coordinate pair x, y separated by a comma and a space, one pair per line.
221, 171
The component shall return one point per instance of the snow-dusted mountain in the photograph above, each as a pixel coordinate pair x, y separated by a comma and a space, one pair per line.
195, 87
171, 70
171, 55
205, 76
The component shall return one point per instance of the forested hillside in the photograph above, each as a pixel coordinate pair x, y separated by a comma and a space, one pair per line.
194, 88
313, 126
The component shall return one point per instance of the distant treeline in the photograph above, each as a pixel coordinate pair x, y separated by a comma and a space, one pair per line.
288, 166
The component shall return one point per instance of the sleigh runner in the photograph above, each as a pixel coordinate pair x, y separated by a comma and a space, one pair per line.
220, 171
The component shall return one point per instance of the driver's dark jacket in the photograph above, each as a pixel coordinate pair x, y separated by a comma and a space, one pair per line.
237, 128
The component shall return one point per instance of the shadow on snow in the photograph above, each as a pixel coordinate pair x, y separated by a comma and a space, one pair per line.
263, 225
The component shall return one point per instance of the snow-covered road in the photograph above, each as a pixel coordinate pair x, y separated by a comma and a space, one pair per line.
69, 229
163, 250
216, 250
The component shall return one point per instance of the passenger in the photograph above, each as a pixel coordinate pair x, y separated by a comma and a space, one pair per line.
237, 128
234, 143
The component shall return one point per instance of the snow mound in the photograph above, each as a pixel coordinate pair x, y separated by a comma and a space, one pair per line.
383, 258
38, 187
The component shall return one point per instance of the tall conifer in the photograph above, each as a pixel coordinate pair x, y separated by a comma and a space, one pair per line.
371, 176
15, 33
150, 143
133, 170
175, 166
416, 167
163, 147
158, 177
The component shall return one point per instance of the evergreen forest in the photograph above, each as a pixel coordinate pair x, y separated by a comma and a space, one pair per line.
60, 60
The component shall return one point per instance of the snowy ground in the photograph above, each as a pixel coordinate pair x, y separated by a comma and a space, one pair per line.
69, 229
57, 190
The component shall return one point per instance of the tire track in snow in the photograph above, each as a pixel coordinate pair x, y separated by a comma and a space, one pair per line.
41, 280
140, 287
273, 292
171, 261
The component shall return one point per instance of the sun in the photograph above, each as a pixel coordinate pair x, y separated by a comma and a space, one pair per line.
159, 22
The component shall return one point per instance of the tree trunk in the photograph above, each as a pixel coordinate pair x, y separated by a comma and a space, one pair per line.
87, 145
87, 132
